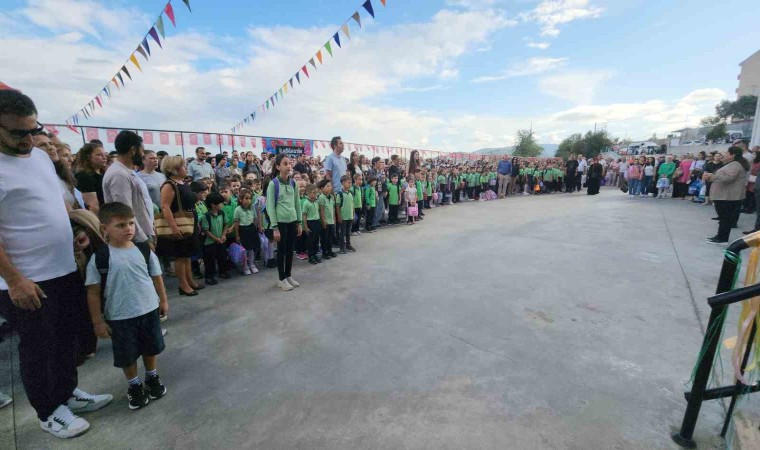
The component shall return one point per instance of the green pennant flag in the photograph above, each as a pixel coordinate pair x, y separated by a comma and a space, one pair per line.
329, 48
160, 26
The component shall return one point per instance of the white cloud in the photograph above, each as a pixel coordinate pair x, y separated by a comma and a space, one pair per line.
85, 16
551, 13
532, 66
577, 87
538, 45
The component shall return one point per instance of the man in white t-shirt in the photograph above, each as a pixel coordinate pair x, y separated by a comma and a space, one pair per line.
41, 291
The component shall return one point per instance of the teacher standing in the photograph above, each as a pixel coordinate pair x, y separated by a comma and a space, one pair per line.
728, 191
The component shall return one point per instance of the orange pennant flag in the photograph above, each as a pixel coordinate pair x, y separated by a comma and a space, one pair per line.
319, 56
134, 61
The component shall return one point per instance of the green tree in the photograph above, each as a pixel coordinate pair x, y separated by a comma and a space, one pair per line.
526, 144
589, 145
741, 109
709, 121
718, 131
569, 145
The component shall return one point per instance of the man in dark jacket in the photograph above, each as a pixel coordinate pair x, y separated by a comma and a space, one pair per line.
570, 176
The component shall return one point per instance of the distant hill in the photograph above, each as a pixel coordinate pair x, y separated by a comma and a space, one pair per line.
549, 150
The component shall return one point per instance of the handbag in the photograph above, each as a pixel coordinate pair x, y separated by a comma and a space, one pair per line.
412, 211
185, 220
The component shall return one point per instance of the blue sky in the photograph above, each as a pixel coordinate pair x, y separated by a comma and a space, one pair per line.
449, 74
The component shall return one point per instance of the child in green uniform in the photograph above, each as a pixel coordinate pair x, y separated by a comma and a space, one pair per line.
246, 230
228, 208
356, 192
201, 190
284, 211
393, 199
215, 229
311, 225
326, 203
344, 206
418, 185
370, 200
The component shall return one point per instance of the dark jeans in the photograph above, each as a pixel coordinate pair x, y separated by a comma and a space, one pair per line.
358, 212
326, 239
728, 213
46, 348
579, 181
288, 235
214, 255
344, 234
569, 182
370, 218
315, 229
393, 214
757, 211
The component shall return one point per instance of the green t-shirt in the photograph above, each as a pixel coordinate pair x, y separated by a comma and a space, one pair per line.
420, 191
328, 205
229, 212
288, 205
393, 193
346, 202
200, 209
244, 216
429, 188
310, 209
484, 178
356, 192
370, 196
441, 179
216, 227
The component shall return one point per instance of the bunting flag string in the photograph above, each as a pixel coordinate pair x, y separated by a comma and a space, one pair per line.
142, 48
327, 47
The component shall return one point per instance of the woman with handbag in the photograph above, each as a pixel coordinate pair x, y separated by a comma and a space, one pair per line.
176, 226
728, 191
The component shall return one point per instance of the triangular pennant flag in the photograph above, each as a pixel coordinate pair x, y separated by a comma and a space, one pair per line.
187, 2
291, 82
253, 117
133, 58
124, 69
275, 96
329, 48
154, 35
99, 102
267, 104
170, 13
368, 6
145, 44
311, 61
305, 71
357, 18
383, 2
116, 82
337, 38
84, 112
298, 77
142, 51
319, 57
284, 86
105, 89
345, 30
160, 26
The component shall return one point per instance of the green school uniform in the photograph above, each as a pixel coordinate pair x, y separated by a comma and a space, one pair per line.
370, 197
216, 227
429, 188
200, 209
346, 203
420, 191
356, 191
244, 216
328, 203
310, 209
288, 206
393, 193
229, 212
441, 179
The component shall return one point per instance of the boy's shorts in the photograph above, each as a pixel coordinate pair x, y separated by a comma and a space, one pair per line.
135, 337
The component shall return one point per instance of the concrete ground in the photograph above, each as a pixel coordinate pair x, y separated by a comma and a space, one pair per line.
561, 321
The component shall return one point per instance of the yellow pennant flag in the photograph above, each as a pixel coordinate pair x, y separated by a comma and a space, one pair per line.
286, 87
345, 30
134, 61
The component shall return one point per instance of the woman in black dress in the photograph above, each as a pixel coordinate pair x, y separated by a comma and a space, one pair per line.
595, 172
179, 248
90, 166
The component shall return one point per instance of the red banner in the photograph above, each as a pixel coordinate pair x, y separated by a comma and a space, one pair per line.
178, 139
164, 138
242, 141
91, 133
231, 139
148, 137
206, 139
111, 135
193, 139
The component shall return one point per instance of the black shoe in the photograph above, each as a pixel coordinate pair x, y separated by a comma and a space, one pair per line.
224, 275
272, 263
155, 388
343, 251
715, 218
749, 232
188, 294
137, 396
211, 282
326, 256
200, 287
197, 275
313, 260
715, 240
333, 255
351, 249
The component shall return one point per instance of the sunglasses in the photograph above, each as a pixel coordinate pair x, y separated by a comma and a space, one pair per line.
20, 134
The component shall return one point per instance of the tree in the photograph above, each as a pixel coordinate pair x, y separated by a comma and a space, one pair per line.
741, 109
526, 144
569, 146
709, 121
589, 145
719, 131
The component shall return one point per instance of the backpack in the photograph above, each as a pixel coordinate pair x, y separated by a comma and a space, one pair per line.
103, 259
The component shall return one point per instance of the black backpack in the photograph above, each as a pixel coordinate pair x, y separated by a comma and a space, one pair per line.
103, 259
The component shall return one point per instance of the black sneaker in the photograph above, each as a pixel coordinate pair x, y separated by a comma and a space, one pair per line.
326, 256
715, 240
137, 396
313, 260
211, 282
343, 251
272, 263
333, 255
351, 249
155, 388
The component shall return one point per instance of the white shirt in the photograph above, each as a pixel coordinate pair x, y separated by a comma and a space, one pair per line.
34, 225
582, 165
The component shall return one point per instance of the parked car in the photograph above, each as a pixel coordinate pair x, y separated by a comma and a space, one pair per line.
684, 143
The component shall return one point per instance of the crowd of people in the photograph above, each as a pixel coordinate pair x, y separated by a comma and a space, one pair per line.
85, 245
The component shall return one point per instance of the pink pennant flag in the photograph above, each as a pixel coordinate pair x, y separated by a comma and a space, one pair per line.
163, 138
91, 133
148, 137
111, 135
170, 13
230, 140
178, 139
242, 141
218, 139
253, 142
193, 139
206, 139
53, 129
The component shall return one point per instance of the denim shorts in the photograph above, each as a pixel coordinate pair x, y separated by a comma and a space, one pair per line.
136, 337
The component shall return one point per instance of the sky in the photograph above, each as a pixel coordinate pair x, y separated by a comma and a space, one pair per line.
448, 75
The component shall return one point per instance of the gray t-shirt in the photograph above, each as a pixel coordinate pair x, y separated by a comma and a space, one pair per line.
153, 181
129, 290
337, 165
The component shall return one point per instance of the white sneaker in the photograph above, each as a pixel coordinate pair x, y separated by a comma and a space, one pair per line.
254, 269
5, 400
354, 233
82, 402
284, 285
246, 270
64, 424
293, 282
